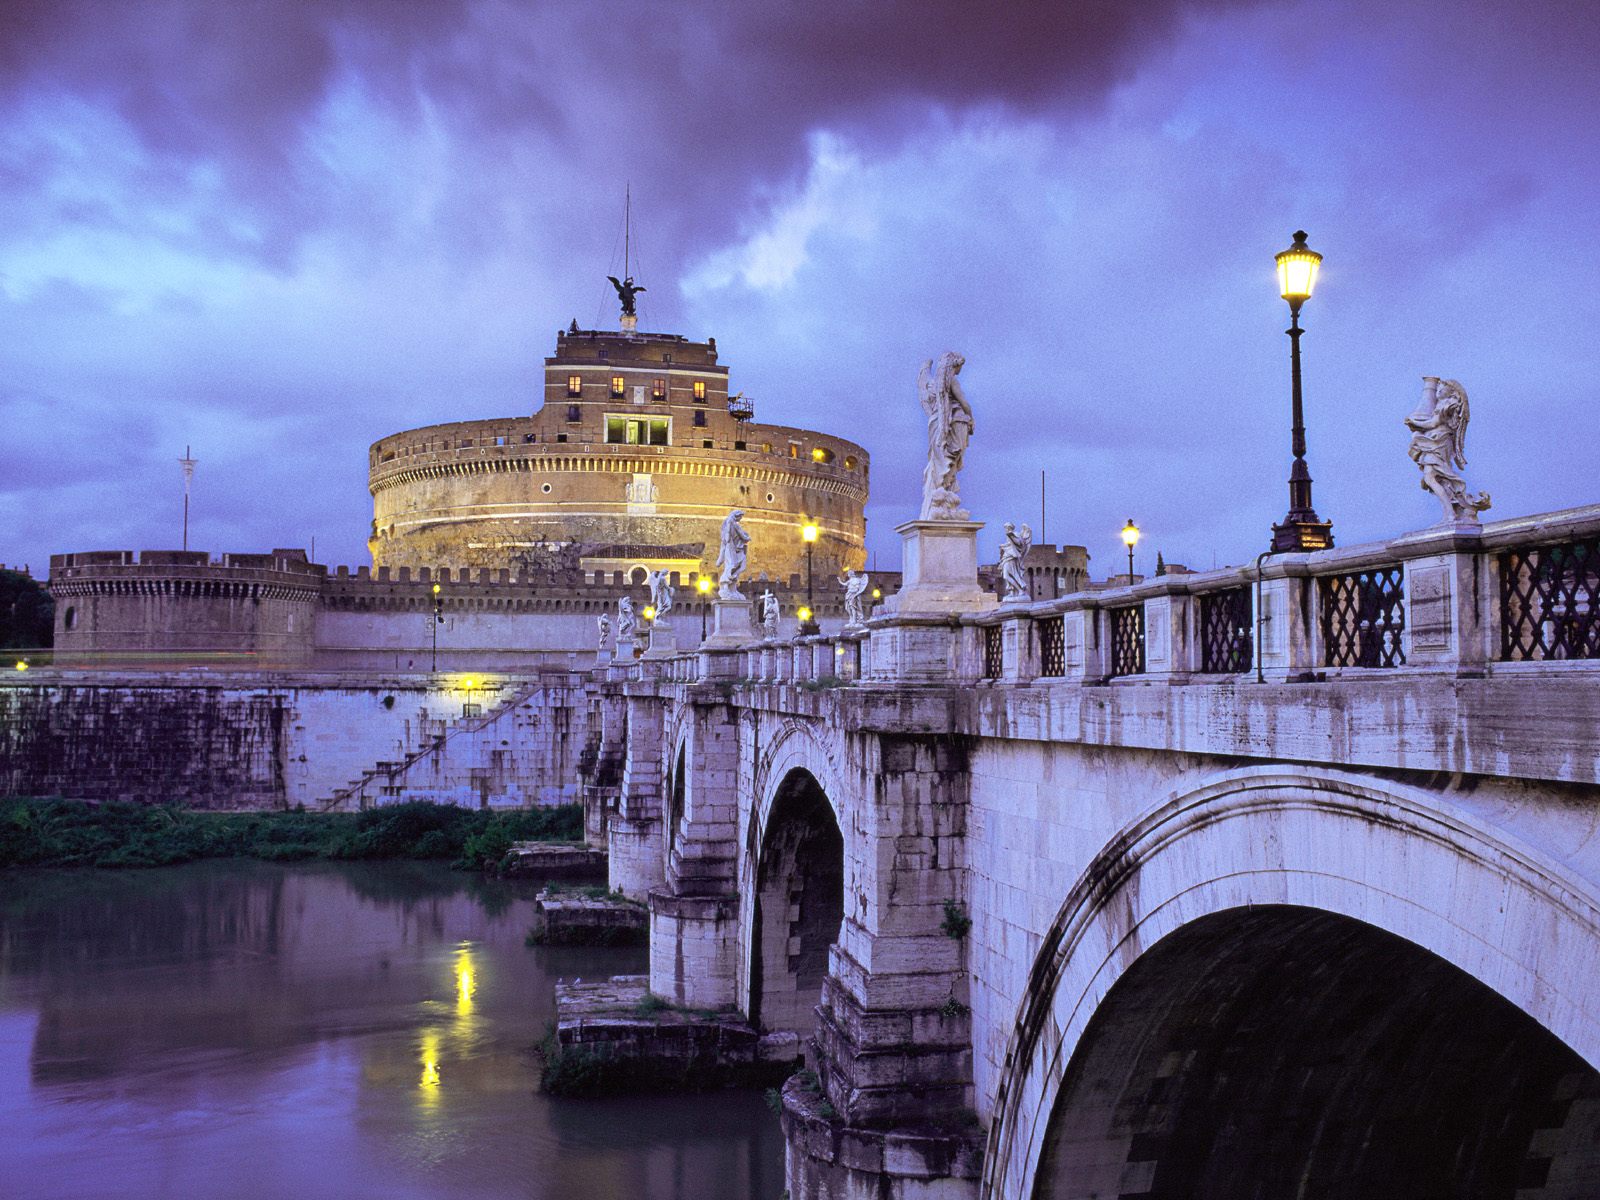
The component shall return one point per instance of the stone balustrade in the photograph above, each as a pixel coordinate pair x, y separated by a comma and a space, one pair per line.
1463, 600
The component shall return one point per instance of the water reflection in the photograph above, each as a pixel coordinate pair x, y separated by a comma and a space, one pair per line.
250, 1030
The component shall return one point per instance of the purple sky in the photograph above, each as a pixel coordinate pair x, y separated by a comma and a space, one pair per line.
279, 231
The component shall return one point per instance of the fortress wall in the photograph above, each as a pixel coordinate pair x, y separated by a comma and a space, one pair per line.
253, 740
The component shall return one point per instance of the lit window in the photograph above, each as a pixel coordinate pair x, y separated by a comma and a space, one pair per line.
700, 417
700, 390
574, 413
574, 385
821, 454
658, 389
849, 462
794, 449
618, 386
636, 431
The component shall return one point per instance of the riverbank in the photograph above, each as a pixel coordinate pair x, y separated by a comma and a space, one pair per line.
73, 833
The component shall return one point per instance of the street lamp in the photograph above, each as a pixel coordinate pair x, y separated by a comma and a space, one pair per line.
1130, 538
438, 620
808, 624
1301, 529
703, 586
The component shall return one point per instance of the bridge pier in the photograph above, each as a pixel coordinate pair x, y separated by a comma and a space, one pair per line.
890, 1112
694, 913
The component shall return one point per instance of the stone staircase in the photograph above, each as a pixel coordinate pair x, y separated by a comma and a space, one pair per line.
385, 781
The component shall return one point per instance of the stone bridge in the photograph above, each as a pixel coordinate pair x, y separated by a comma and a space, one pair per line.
1241, 884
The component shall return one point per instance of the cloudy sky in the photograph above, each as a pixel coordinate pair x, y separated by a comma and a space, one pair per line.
277, 231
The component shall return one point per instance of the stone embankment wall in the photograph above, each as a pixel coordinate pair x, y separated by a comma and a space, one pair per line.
277, 741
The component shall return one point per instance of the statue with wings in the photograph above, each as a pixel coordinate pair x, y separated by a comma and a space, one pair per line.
1439, 444
627, 289
949, 430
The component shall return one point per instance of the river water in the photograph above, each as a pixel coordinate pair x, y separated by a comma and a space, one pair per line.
244, 1030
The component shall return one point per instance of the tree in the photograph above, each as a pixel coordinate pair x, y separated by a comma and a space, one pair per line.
27, 614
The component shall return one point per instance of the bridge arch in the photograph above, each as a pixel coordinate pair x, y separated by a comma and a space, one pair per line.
1299, 880
793, 879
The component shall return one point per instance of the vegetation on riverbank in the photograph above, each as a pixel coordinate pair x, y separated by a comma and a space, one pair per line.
73, 833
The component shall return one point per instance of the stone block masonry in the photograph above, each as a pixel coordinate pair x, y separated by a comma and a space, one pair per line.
264, 741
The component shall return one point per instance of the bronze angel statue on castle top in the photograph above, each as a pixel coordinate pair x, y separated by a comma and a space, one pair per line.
626, 291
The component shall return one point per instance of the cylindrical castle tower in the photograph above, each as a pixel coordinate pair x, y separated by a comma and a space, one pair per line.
634, 459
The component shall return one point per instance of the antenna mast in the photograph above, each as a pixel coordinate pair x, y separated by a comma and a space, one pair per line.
187, 462
627, 228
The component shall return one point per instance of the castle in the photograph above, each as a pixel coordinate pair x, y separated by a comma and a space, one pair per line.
636, 454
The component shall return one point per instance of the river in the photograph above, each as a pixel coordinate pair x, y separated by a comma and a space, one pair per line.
244, 1030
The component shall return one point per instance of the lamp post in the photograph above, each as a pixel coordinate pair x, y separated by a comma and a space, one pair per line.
438, 620
808, 620
1302, 529
703, 586
1130, 538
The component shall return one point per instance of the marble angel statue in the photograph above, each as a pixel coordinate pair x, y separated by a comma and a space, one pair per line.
1014, 548
660, 584
949, 430
1438, 447
855, 587
731, 558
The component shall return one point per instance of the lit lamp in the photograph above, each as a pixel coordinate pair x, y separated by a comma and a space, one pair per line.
649, 612
703, 586
438, 620
1130, 539
22, 664
1301, 529
808, 534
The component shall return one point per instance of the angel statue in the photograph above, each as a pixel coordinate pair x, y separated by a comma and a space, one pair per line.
626, 291
605, 631
949, 431
769, 613
660, 584
731, 558
626, 621
1438, 447
855, 586
1014, 548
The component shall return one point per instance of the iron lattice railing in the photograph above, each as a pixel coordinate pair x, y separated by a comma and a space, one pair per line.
1363, 618
1127, 640
993, 651
1052, 646
1550, 601
1225, 632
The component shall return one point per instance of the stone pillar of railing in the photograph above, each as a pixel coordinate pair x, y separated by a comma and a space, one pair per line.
635, 861
694, 914
1087, 647
1171, 644
824, 663
1019, 649
802, 661
1451, 594
1286, 607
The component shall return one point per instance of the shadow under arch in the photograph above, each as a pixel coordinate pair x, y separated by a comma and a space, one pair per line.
798, 905
1286, 1052
1408, 861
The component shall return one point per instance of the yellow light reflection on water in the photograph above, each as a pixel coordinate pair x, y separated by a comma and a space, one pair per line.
466, 982
429, 1083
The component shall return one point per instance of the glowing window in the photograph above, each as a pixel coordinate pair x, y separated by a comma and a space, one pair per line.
658, 389
700, 390
849, 462
821, 454
794, 449
618, 386
637, 431
574, 385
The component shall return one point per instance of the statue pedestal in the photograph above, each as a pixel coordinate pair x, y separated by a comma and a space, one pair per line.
602, 657
730, 625
940, 566
663, 640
